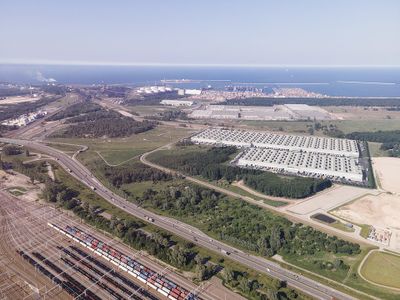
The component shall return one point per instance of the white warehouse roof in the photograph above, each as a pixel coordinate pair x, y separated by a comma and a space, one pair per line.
244, 138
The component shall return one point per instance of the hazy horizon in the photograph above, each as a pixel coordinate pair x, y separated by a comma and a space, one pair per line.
207, 33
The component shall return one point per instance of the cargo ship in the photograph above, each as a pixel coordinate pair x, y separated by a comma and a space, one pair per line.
144, 274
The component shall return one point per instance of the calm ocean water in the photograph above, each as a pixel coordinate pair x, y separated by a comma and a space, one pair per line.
383, 82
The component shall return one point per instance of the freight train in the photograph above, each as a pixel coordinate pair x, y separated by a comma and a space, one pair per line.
150, 277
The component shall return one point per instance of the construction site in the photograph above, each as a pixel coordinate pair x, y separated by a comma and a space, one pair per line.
48, 254
320, 157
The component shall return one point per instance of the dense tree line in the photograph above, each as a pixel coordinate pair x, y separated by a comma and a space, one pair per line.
11, 150
376, 136
9, 92
296, 187
101, 123
93, 116
75, 110
273, 290
314, 101
116, 91
152, 99
35, 172
170, 115
133, 173
55, 89
243, 224
390, 139
211, 164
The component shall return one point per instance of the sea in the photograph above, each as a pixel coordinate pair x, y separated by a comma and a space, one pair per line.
332, 81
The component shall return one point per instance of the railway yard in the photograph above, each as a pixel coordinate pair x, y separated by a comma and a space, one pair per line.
40, 257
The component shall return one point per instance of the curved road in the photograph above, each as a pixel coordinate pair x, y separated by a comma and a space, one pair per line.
81, 173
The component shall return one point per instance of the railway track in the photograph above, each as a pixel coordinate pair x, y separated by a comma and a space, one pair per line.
23, 227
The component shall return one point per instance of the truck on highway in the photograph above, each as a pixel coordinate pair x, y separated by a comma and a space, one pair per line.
225, 252
149, 218
93, 187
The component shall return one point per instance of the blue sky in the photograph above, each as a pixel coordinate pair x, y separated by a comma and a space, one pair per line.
307, 32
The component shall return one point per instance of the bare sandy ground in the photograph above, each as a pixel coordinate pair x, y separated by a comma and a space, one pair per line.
382, 211
387, 171
18, 99
8, 181
328, 200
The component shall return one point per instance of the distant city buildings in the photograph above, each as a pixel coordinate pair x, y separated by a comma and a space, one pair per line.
241, 92
163, 89
153, 89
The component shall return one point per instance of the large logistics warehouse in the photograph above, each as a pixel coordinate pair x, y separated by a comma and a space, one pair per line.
302, 163
337, 159
245, 138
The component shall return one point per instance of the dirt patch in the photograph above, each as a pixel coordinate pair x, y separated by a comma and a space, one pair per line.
381, 211
18, 99
50, 172
387, 170
22, 183
327, 200
362, 113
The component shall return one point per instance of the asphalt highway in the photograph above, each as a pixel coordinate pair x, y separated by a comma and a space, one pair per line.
81, 173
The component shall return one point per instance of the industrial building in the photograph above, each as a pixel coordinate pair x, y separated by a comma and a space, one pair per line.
153, 89
177, 102
311, 164
320, 157
245, 138
287, 112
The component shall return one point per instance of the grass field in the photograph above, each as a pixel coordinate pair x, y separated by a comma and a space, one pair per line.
338, 225
64, 147
242, 192
286, 126
382, 268
116, 157
15, 192
118, 150
346, 126
311, 263
375, 151
343, 227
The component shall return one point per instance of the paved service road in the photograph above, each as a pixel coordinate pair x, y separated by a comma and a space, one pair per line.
81, 173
